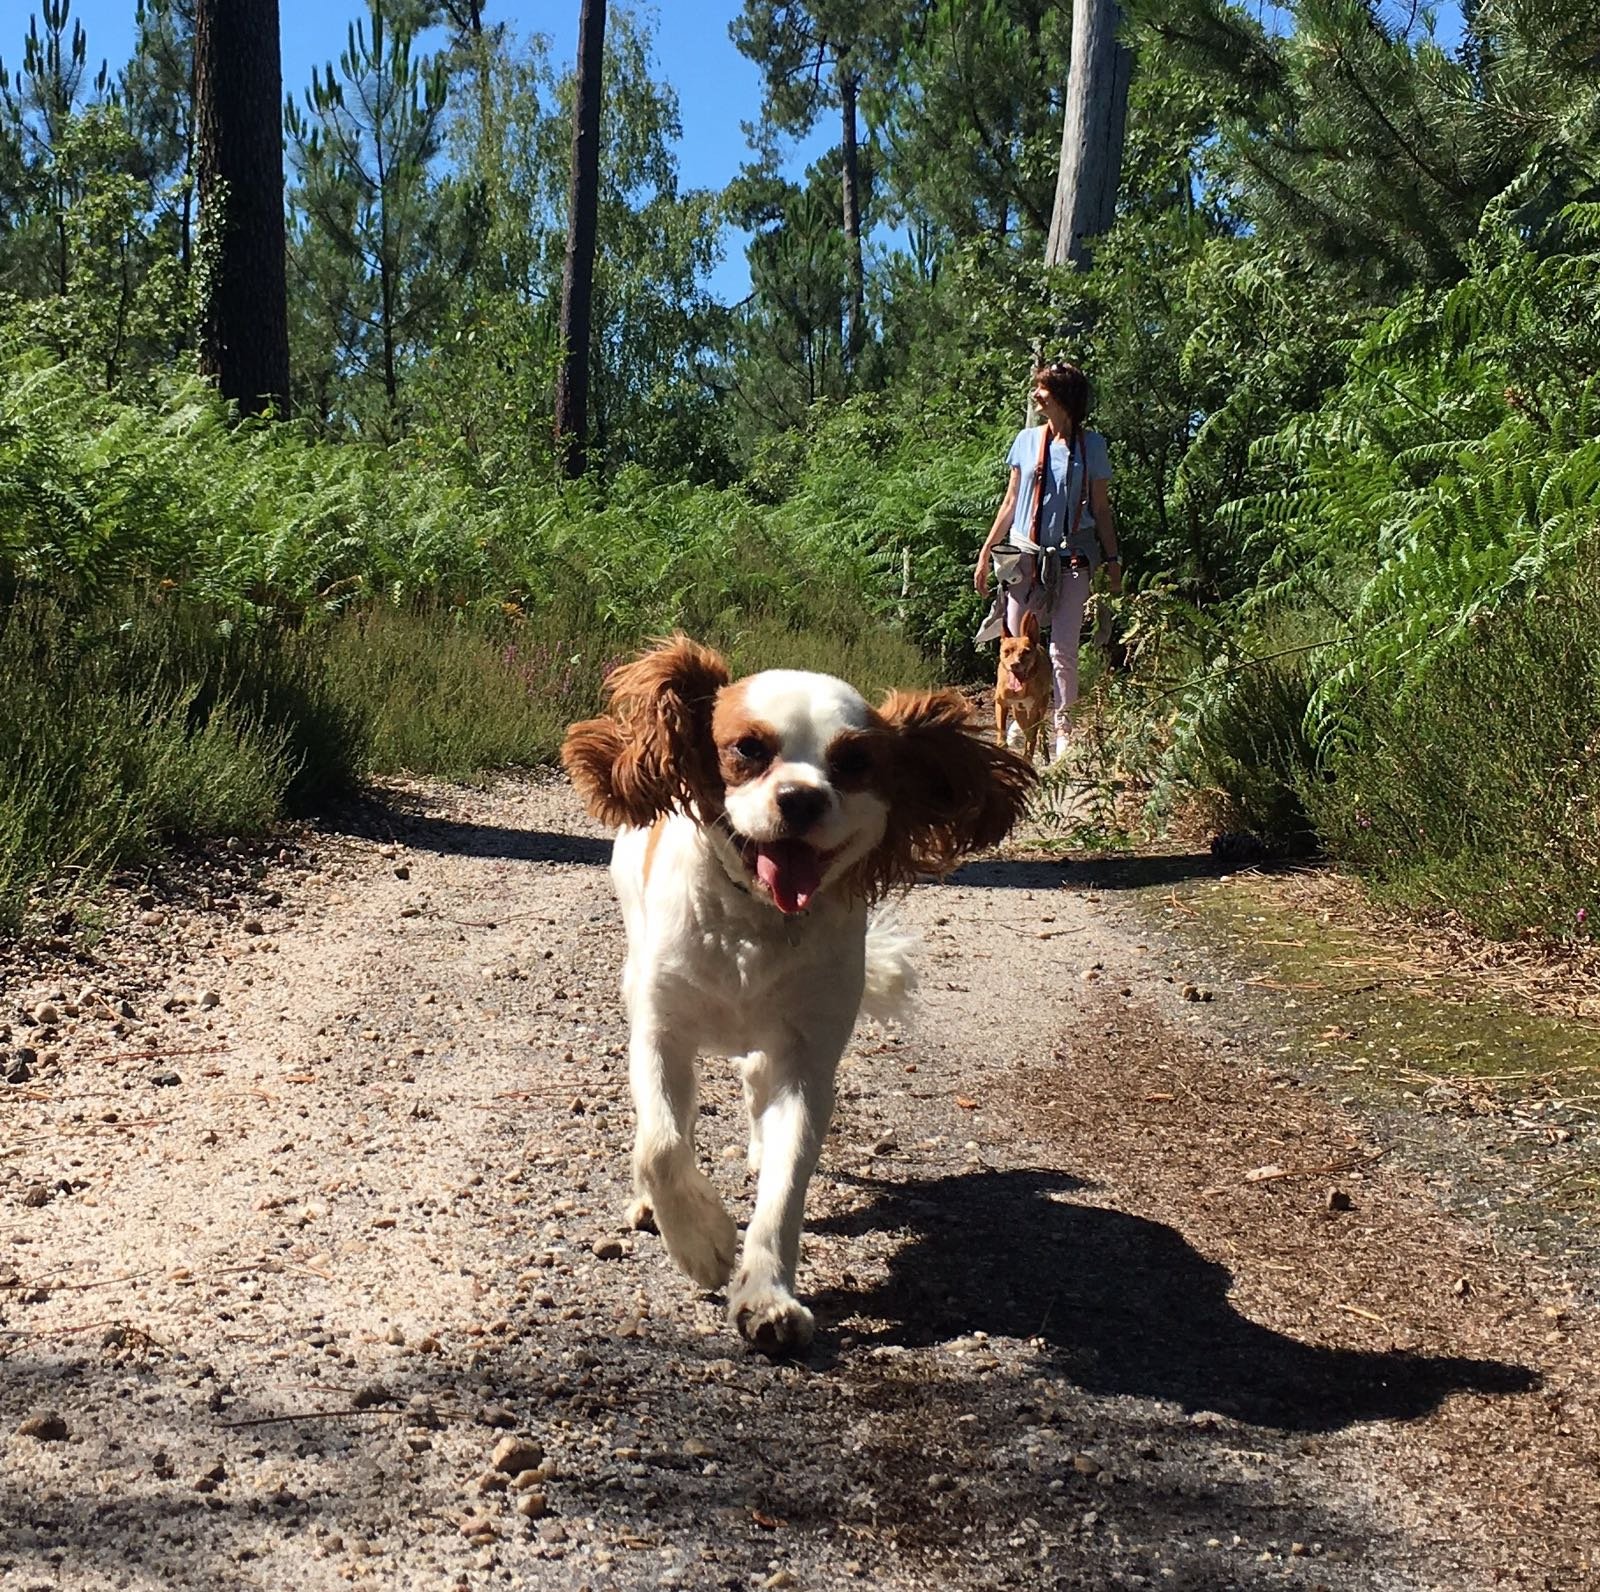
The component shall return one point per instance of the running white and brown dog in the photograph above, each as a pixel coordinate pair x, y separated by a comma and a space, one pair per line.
760, 821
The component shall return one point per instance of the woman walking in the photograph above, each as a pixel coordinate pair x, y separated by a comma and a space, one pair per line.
1057, 509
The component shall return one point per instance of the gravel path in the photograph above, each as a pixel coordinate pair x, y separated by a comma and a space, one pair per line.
312, 1270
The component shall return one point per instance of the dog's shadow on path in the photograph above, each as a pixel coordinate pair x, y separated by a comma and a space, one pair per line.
1123, 1306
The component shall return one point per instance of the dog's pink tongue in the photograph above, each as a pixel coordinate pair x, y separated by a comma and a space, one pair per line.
791, 870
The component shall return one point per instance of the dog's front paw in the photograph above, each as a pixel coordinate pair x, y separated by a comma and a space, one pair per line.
640, 1215
697, 1230
770, 1318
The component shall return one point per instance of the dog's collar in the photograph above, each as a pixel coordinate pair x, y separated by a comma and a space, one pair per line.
736, 871
739, 877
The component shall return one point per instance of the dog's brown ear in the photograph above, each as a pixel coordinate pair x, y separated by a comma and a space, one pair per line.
951, 790
652, 752
1030, 625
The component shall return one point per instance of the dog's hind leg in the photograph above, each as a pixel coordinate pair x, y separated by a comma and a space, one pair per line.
693, 1223
793, 1124
757, 1088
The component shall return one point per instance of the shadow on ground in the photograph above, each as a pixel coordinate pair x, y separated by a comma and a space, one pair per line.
864, 1453
448, 838
1114, 871
1123, 1306
405, 817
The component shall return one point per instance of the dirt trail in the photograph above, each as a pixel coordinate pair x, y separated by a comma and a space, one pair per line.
278, 1273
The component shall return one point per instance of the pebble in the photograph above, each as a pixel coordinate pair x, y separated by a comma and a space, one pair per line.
46, 1016
513, 1455
608, 1249
498, 1415
532, 1505
165, 1080
48, 1427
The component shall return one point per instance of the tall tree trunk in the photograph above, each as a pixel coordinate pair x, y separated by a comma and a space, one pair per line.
244, 317
1091, 133
577, 276
855, 309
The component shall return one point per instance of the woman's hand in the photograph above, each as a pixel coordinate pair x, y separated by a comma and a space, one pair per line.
980, 576
1113, 569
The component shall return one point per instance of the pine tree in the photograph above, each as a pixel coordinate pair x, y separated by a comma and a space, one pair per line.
368, 201
577, 276
815, 55
244, 337
38, 103
156, 89
1092, 132
971, 117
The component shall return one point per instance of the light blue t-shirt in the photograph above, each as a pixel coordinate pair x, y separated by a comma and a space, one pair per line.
1063, 484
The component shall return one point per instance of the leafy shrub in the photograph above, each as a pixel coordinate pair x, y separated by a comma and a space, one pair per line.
1243, 750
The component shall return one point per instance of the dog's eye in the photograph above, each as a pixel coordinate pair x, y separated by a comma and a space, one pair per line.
752, 749
849, 761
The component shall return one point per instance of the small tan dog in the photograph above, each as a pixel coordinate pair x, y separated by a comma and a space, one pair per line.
1022, 686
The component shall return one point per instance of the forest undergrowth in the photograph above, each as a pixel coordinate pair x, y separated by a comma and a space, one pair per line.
1343, 340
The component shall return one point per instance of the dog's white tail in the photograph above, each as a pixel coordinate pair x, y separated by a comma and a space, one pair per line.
891, 974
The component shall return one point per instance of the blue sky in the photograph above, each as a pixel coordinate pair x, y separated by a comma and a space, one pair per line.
718, 88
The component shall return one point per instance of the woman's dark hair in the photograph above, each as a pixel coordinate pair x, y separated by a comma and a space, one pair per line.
1068, 386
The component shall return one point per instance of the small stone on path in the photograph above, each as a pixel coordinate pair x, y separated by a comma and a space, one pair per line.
48, 1427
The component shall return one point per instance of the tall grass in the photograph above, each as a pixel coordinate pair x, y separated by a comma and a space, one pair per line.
133, 721
1477, 794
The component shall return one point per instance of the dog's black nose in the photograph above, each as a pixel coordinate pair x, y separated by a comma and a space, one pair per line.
801, 806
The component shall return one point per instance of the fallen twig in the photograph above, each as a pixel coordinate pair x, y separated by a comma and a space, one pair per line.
304, 1415
1271, 1174
1366, 1315
160, 1053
